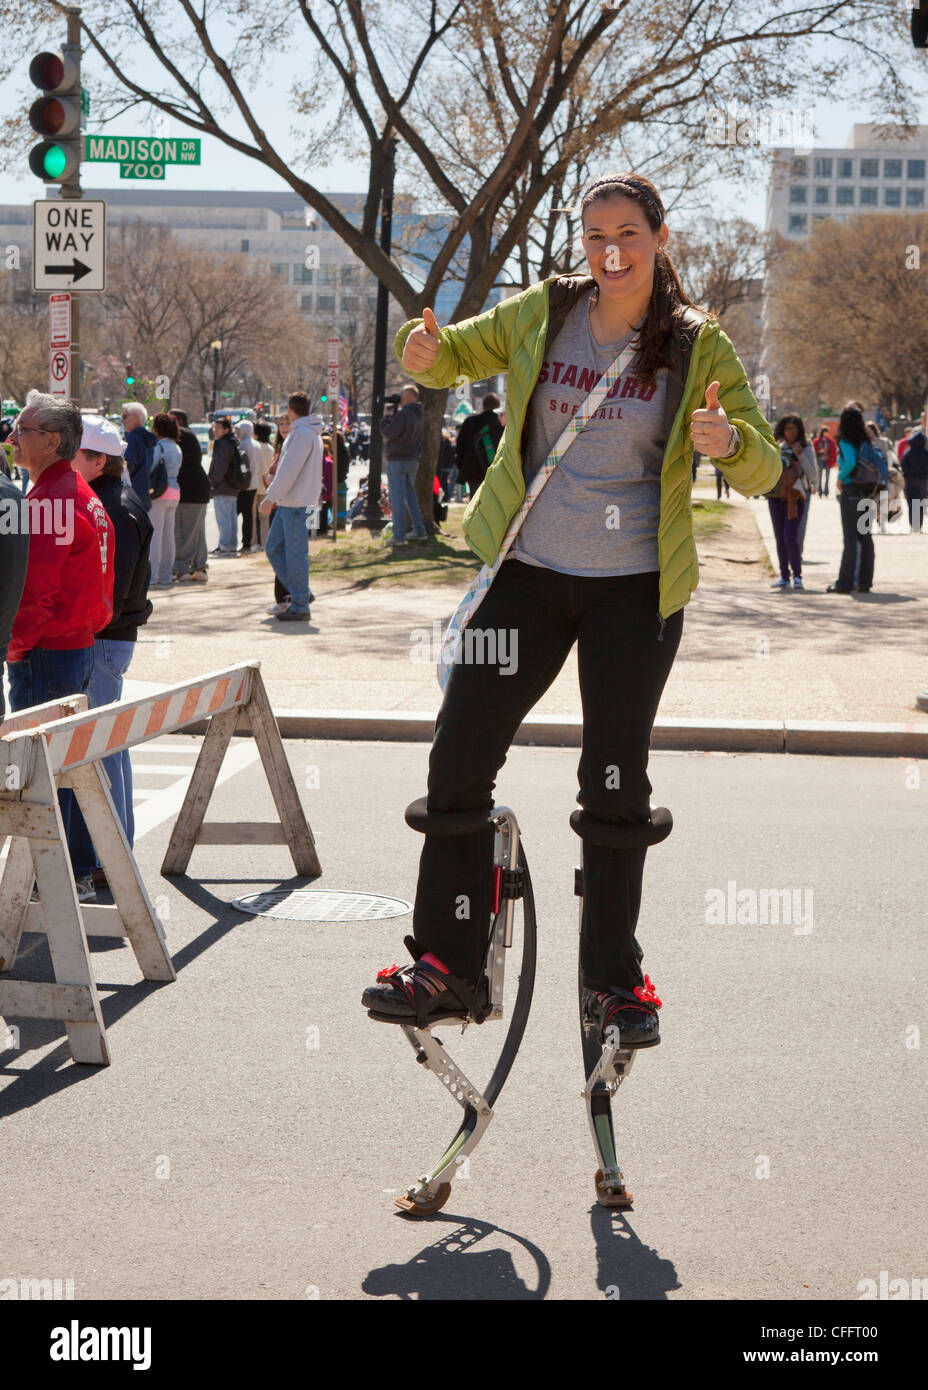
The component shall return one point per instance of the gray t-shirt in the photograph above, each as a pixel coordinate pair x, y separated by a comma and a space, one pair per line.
598, 512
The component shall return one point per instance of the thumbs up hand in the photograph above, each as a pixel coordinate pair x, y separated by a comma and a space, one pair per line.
421, 347
710, 431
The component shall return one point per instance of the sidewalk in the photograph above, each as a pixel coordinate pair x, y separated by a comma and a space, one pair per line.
748, 653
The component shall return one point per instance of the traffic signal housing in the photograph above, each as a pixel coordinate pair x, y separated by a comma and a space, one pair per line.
56, 116
130, 375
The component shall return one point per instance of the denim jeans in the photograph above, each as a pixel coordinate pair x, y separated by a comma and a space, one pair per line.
401, 483
110, 663
624, 654
287, 548
857, 556
227, 517
47, 674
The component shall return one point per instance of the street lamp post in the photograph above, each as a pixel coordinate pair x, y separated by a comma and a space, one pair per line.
216, 346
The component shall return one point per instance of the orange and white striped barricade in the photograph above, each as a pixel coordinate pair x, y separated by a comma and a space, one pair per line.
40, 753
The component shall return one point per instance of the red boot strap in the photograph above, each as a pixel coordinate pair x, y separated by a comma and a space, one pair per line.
647, 993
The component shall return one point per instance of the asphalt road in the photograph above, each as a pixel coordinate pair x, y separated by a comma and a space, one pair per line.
249, 1136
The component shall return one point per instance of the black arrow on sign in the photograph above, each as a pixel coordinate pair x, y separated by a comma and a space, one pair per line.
76, 268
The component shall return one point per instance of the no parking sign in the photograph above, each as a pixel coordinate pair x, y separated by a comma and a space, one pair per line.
59, 373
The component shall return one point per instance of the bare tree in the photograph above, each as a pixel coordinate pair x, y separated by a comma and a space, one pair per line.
849, 315
547, 83
166, 303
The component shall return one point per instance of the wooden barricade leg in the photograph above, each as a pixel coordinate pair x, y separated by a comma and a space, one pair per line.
15, 891
296, 829
73, 998
190, 817
141, 923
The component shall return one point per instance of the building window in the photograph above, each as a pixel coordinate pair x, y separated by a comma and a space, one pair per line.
822, 194
246, 244
820, 217
302, 275
915, 169
915, 197
869, 168
844, 197
845, 168
892, 168
281, 271
799, 195
326, 302
327, 274
868, 197
372, 301
349, 274
797, 223
823, 168
892, 197
799, 168
351, 304
306, 301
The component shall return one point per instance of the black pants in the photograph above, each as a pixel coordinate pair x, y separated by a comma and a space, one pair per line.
857, 529
245, 503
625, 654
916, 491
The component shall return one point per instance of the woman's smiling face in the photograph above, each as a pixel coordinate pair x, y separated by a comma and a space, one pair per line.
620, 247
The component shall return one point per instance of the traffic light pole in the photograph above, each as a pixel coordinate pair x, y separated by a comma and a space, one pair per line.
74, 190
373, 516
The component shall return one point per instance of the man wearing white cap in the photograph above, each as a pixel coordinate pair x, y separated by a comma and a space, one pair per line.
100, 463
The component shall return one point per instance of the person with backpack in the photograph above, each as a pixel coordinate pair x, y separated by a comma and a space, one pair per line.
140, 449
825, 453
614, 377
914, 465
862, 471
477, 442
229, 472
165, 495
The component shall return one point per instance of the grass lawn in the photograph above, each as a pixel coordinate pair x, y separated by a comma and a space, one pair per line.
357, 558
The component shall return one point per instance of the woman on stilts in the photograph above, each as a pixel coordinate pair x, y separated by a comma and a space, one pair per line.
603, 556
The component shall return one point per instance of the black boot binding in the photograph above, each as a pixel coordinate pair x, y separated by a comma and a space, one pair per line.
411, 995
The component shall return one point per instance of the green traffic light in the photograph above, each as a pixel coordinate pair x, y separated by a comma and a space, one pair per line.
324, 399
54, 161
130, 380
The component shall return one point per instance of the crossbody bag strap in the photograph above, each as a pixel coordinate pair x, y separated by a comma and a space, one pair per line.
479, 588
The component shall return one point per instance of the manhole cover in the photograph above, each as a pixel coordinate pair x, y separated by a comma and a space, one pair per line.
318, 905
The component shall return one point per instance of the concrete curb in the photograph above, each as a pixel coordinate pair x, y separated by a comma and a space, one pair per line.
683, 735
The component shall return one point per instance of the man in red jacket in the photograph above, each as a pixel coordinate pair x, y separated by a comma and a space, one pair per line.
68, 594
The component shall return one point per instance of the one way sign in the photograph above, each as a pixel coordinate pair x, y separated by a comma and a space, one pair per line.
69, 244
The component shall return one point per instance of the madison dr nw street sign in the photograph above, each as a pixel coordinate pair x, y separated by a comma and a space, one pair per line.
69, 244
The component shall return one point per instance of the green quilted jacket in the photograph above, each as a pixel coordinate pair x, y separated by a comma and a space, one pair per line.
514, 337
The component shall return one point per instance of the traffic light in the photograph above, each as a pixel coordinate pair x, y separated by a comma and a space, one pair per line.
324, 398
56, 116
130, 375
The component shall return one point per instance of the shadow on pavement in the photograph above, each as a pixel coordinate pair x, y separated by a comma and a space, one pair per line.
627, 1269
55, 1071
447, 1269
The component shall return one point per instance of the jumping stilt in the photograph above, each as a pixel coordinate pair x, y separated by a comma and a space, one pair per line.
605, 1066
430, 1192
